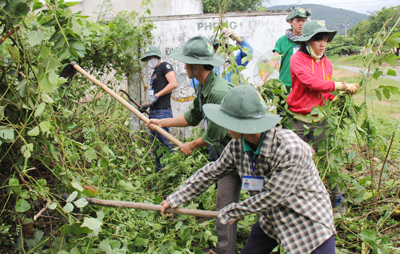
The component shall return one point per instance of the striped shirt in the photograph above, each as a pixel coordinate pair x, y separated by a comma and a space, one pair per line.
295, 205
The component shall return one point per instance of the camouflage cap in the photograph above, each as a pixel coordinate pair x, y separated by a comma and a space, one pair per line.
297, 13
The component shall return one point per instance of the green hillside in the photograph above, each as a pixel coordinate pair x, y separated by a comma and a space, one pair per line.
334, 17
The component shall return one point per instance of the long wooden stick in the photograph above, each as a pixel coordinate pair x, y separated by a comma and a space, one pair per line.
126, 104
186, 211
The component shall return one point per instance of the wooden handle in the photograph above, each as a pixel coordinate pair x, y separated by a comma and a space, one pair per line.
186, 211
126, 104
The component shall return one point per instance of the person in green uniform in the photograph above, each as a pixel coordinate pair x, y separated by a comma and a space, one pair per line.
286, 47
200, 59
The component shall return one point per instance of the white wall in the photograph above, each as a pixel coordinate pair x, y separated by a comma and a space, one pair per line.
158, 8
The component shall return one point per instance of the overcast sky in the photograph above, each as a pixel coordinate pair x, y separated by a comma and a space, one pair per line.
362, 6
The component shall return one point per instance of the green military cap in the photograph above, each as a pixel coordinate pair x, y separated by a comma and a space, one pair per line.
242, 110
297, 13
314, 27
197, 50
151, 51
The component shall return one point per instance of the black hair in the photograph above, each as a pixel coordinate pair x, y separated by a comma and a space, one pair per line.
208, 67
317, 37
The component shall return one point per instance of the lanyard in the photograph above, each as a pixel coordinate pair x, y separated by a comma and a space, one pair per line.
151, 80
253, 163
201, 102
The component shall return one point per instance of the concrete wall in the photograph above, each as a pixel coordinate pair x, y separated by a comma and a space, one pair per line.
158, 8
261, 30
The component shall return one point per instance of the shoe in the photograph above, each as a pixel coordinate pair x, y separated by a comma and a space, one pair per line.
338, 207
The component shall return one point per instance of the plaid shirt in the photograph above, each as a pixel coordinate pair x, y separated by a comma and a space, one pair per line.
295, 205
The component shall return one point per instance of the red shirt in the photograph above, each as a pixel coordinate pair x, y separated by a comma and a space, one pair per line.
311, 83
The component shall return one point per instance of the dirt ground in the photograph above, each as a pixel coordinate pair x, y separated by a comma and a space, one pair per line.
338, 74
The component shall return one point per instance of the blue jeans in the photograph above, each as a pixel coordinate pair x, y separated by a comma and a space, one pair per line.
160, 114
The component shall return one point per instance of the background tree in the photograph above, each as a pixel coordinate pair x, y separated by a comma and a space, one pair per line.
212, 6
368, 28
342, 46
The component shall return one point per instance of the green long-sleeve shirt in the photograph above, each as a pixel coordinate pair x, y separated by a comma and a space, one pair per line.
214, 90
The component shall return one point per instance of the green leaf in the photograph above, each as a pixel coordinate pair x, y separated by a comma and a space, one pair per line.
24, 194
68, 207
45, 126
59, 42
318, 132
127, 186
37, 5
13, 182
26, 150
368, 236
53, 78
77, 45
22, 87
52, 206
14, 52
22, 206
90, 155
386, 93
72, 196
80, 203
352, 128
7, 133
46, 85
35, 37
368, 195
46, 98
40, 109
91, 223
139, 242
351, 155
392, 72
105, 246
77, 186
70, 4
378, 94
34, 131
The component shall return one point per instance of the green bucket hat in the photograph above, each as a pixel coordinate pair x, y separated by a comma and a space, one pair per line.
314, 27
197, 50
242, 110
151, 51
297, 13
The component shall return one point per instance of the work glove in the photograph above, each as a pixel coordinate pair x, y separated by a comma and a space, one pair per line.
260, 84
143, 107
352, 87
227, 32
153, 99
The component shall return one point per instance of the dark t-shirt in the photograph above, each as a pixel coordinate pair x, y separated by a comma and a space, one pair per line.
159, 83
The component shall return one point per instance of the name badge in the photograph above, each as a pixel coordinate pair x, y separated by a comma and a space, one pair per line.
252, 183
151, 92
205, 124
295, 49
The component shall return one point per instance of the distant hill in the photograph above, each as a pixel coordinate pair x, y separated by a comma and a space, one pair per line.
334, 17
